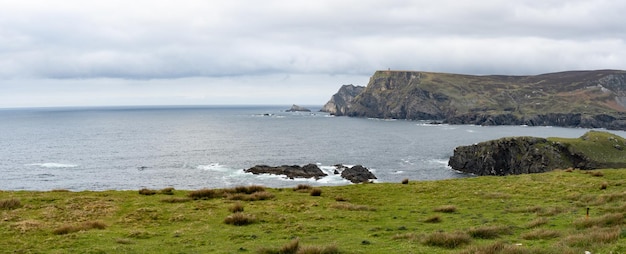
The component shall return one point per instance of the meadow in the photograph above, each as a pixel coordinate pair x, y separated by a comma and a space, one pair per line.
564, 211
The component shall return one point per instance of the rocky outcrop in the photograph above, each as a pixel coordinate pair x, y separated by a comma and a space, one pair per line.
356, 174
295, 171
296, 108
587, 99
340, 103
523, 155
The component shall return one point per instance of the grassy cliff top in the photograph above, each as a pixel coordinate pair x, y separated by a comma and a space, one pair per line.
536, 213
599, 146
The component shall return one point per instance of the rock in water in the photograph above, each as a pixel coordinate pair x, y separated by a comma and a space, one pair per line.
295, 171
357, 174
296, 108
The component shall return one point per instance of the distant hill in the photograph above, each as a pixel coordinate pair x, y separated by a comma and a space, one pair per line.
589, 99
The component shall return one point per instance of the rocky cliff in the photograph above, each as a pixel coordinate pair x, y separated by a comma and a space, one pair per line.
340, 103
522, 155
589, 99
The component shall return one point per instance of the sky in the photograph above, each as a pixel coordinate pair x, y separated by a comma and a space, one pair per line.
282, 52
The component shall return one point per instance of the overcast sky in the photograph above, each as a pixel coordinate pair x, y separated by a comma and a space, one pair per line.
76, 53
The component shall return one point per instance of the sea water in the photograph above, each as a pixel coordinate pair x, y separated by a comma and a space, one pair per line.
124, 148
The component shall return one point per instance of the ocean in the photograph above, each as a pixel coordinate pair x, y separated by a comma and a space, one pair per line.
193, 147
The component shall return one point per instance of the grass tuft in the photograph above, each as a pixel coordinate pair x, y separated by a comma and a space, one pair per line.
294, 247
205, 194
541, 234
498, 248
256, 196
607, 220
593, 238
147, 192
173, 200
67, 229
316, 192
446, 209
433, 219
167, 191
537, 222
405, 181
240, 219
10, 204
246, 189
489, 232
352, 207
447, 240
236, 208
303, 188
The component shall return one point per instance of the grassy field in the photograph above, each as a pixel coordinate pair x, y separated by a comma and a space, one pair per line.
538, 213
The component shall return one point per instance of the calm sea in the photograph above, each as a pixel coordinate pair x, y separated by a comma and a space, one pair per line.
125, 148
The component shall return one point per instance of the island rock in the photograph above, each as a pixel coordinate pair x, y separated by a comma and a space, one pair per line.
294, 171
356, 174
296, 108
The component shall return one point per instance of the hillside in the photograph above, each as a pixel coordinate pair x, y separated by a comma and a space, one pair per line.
533, 213
590, 99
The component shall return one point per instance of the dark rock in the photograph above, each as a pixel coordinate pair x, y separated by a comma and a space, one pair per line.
357, 174
296, 108
294, 171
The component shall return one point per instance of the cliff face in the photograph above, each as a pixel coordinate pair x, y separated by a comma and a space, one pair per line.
522, 155
341, 102
590, 99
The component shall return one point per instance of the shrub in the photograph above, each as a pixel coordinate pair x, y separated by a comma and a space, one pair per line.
175, 200
433, 219
240, 219
205, 194
405, 181
10, 204
167, 191
489, 232
446, 209
447, 240
236, 208
147, 192
608, 220
541, 234
316, 192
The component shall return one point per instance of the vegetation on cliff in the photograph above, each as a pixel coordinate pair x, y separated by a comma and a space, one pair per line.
521, 155
533, 213
592, 99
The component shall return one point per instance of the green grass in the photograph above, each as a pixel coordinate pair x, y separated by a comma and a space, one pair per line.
605, 148
536, 213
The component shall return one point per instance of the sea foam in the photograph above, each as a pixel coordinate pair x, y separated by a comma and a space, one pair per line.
53, 165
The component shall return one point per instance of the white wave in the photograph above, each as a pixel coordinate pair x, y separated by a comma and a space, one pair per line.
439, 161
53, 165
214, 167
397, 172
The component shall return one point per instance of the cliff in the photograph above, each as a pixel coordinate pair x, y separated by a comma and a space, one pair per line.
341, 102
522, 155
588, 99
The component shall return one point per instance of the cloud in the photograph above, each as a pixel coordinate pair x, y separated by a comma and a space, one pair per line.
144, 41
